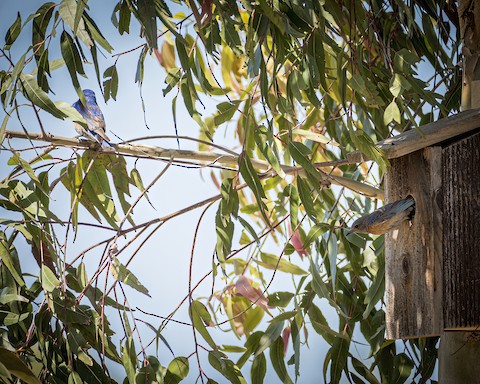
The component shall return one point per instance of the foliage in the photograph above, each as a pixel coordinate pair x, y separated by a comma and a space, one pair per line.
305, 83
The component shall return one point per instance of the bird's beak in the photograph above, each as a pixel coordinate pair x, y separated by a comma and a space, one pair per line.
349, 231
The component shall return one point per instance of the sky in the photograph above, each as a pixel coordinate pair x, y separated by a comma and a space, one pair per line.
163, 264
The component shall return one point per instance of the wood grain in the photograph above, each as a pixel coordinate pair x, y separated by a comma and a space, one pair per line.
413, 253
461, 256
426, 136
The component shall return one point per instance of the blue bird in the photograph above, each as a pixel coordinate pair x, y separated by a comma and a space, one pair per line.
386, 218
94, 119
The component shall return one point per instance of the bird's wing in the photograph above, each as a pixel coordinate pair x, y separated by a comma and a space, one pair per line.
100, 131
388, 211
80, 108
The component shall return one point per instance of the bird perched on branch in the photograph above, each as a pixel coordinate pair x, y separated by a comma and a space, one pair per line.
94, 118
384, 219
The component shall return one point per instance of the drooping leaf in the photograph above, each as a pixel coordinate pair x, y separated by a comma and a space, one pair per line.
13, 31
9, 261
278, 362
49, 280
200, 318
226, 367
121, 273
15, 366
38, 97
177, 370
270, 261
68, 12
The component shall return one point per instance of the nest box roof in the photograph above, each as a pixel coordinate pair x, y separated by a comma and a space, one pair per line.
427, 135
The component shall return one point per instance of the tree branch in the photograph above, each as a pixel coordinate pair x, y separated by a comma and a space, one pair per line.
206, 158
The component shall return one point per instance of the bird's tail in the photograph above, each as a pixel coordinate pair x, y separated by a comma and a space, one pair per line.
100, 140
106, 144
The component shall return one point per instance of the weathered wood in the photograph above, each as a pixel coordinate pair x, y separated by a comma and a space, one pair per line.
414, 251
461, 255
459, 356
427, 136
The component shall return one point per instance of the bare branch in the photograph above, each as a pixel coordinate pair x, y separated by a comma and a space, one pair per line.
208, 158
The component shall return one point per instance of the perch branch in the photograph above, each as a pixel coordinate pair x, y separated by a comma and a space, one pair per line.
203, 157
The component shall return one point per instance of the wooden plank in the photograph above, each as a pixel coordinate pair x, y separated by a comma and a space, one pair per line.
458, 358
428, 135
461, 257
413, 253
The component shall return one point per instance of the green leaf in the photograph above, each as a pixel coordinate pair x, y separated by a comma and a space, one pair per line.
38, 97
377, 289
177, 370
17, 160
317, 137
271, 334
12, 362
79, 14
365, 144
363, 370
3, 127
273, 262
278, 363
129, 357
332, 250
70, 112
6, 298
266, 144
224, 229
74, 377
367, 89
320, 325
280, 299
200, 316
121, 273
68, 12
404, 60
13, 31
49, 280
73, 62
304, 191
9, 262
96, 34
253, 181
226, 110
321, 289
148, 21
14, 318
226, 367
141, 66
398, 85
402, 366
284, 316
232, 349
339, 355
249, 228
259, 369
392, 113
300, 154
110, 83
314, 233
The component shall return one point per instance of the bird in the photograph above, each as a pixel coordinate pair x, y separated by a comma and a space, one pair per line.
94, 118
386, 218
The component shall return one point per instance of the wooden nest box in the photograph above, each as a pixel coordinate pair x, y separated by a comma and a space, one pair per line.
433, 262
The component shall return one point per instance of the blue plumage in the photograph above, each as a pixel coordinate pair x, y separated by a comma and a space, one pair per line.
94, 119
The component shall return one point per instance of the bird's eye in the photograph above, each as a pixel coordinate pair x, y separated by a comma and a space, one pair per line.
356, 226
